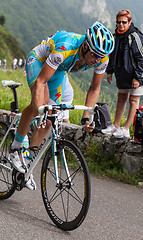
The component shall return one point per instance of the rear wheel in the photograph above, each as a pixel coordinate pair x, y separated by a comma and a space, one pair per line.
66, 203
6, 184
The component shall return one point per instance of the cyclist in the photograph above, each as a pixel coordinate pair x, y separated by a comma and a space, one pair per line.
47, 67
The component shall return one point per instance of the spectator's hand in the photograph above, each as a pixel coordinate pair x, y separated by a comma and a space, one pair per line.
85, 123
135, 83
109, 78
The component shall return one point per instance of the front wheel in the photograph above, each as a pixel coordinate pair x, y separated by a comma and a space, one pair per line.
6, 184
66, 203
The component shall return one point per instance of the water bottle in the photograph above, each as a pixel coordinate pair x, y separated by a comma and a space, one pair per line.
26, 145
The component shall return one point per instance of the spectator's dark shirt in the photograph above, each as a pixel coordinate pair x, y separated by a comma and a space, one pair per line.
120, 61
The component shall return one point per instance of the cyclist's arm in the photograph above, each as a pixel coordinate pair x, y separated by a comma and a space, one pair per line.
93, 92
91, 99
40, 91
94, 89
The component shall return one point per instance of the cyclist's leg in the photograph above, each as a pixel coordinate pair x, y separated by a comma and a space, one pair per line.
55, 98
33, 68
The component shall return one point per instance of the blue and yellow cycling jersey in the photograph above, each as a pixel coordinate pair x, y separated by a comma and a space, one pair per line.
61, 51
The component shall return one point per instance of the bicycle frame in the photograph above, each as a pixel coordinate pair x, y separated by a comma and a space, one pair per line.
52, 137
14, 117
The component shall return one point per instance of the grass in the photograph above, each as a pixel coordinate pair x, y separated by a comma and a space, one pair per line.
23, 92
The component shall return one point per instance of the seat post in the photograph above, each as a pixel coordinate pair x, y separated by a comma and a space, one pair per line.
14, 105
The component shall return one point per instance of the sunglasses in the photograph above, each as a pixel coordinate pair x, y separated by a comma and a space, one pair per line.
124, 22
95, 55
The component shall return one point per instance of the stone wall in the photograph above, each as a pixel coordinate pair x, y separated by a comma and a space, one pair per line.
128, 152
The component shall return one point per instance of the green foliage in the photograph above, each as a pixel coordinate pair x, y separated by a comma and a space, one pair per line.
31, 21
6, 96
99, 164
9, 47
2, 20
79, 99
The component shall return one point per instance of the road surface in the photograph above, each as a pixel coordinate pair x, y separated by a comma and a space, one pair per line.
116, 213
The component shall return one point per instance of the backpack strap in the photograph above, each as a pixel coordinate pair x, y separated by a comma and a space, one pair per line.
130, 43
139, 45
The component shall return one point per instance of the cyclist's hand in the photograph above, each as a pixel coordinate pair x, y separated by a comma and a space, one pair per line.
35, 124
85, 123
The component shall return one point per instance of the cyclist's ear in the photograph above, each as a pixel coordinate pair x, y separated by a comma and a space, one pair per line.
85, 46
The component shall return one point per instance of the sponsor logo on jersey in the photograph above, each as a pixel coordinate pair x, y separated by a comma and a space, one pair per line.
57, 60
57, 95
62, 48
30, 60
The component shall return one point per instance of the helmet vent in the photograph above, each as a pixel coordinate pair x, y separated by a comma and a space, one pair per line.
95, 30
98, 42
104, 44
102, 33
92, 39
108, 37
108, 48
90, 31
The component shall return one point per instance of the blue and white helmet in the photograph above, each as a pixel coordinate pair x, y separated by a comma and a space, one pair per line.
100, 39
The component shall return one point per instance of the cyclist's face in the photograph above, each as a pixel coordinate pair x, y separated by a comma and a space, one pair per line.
91, 59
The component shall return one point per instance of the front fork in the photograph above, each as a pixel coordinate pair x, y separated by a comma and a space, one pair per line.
55, 153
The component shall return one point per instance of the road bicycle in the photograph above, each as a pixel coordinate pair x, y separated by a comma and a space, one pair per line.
65, 180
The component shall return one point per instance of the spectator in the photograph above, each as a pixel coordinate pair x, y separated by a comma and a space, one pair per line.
126, 61
14, 64
20, 63
4, 63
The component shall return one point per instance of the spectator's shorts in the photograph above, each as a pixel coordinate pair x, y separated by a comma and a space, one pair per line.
134, 92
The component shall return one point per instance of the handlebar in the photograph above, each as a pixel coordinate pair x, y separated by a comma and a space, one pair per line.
43, 110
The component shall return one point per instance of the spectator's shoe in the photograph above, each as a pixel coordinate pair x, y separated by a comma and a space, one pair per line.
17, 159
30, 184
109, 130
121, 133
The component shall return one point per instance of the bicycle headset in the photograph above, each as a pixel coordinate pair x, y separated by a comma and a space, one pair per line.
99, 39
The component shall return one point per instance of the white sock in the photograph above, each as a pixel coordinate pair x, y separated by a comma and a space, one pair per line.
16, 144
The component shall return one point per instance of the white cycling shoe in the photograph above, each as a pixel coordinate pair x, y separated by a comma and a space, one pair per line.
30, 184
17, 159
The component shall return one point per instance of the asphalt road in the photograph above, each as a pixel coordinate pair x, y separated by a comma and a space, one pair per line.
116, 213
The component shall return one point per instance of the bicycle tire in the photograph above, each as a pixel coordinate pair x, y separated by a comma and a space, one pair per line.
72, 199
6, 184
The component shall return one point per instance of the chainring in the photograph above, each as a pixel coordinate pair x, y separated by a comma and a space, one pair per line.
18, 180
